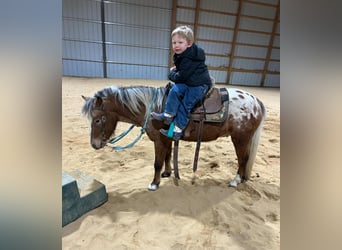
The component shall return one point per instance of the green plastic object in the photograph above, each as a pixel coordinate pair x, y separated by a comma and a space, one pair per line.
170, 131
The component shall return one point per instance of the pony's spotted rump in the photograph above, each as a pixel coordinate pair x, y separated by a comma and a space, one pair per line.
243, 106
244, 123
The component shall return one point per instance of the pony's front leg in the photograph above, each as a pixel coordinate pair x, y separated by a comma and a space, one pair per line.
167, 171
156, 180
160, 152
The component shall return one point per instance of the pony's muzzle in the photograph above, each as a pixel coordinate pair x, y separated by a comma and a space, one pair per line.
95, 146
98, 145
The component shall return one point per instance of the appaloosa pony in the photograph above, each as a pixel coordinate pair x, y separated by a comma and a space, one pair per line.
243, 121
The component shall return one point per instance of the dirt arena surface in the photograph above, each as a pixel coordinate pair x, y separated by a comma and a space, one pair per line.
201, 212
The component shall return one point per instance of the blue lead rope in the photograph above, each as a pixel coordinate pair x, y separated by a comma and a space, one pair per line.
142, 131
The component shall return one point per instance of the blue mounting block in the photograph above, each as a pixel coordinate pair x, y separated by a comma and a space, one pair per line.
80, 194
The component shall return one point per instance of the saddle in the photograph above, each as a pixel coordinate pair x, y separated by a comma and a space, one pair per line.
214, 107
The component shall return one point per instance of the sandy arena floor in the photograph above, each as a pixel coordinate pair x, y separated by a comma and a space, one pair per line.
206, 214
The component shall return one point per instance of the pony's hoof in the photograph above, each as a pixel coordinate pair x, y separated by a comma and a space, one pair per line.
153, 187
165, 175
235, 181
233, 184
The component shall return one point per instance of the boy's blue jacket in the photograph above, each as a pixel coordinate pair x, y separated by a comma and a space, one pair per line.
190, 67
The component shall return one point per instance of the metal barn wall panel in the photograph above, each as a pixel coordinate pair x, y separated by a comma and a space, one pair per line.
214, 34
274, 66
275, 54
219, 5
149, 3
136, 44
277, 41
81, 30
216, 19
215, 47
131, 38
186, 16
186, 3
217, 61
220, 76
82, 68
278, 29
136, 71
134, 55
255, 25
137, 38
250, 51
272, 81
253, 9
138, 14
125, 35
248, 79
248, 64
273, 2
81, 9
82, 51
253, 38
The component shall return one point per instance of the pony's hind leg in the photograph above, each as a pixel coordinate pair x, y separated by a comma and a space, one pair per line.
246, 148
241, 146
167, 171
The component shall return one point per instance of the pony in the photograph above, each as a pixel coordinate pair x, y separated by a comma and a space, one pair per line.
133, 105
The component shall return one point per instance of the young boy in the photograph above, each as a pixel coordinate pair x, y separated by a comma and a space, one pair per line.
192, 81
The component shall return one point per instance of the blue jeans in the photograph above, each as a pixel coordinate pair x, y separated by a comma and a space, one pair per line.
181, 100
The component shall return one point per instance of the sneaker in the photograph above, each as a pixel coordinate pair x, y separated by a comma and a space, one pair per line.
176, 135
162, 117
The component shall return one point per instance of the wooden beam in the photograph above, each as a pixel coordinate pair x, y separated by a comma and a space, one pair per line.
206, 10
103, 32
232, 52
258, 17
173, 26
260, 3
254, 58
198, 4
269, 51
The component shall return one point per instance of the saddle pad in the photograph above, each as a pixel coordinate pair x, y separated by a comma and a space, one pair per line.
212, 104
219, 116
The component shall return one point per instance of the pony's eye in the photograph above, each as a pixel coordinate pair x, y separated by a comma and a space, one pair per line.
97, 121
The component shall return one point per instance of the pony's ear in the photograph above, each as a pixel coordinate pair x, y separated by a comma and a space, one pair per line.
85, 97
98, 102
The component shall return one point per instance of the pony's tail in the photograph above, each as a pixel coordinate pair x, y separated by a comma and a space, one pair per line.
254, 144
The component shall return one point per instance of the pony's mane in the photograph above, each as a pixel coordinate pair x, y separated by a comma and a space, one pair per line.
133, 98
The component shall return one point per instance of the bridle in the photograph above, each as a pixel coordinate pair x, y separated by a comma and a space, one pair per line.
103, 121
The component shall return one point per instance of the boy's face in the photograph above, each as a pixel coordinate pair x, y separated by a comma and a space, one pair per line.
180, 44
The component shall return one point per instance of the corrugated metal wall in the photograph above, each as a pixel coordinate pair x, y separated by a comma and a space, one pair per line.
241, 38
82, 38
132, 42
137, 35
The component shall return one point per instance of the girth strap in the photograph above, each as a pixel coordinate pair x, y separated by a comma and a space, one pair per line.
175, 159
199, 139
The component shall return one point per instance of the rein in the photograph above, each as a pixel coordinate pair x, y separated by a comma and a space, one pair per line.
142, 131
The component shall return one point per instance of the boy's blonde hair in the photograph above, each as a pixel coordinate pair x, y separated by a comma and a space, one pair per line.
185, 32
